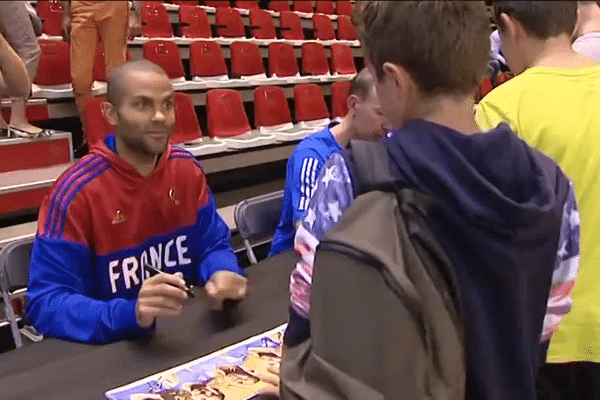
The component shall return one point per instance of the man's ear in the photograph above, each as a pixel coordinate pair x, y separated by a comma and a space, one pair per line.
352, 100
109, 111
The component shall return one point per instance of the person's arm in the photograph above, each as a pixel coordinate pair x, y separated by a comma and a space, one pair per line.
135, 22
333, 194
13, 71
560, 300
305, 168
61, 280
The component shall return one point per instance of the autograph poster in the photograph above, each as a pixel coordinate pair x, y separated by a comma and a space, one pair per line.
238, 372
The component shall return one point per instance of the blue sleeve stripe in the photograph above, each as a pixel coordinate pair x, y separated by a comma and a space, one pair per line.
307, 180
97, 172
63, 186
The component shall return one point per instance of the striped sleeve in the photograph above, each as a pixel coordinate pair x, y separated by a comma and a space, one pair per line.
308, 177
560, 300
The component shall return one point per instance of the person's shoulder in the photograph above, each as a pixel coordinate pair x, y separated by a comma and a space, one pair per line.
182, 161
80, 176
316, 145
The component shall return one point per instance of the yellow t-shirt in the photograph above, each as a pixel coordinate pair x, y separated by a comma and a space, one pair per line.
557, 110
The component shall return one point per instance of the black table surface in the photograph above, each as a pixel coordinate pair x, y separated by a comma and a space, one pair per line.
57, 369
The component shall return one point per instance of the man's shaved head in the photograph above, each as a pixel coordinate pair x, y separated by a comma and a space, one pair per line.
119, 77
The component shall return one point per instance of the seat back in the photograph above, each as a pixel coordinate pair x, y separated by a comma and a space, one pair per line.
229, 22
282, 60
290, 26
279, 6
96, 125
257, 216
195, 23
99, 71
270, 107
217, 4
323, 27
54, 67
206, 59
344, 7
187, 127
51, 13
225, 113
261, 25
324, 7
339, 98
314, 59
165, 54
346, 30
246, 59
155, 20
342, 59
248, 5
309, 102
303, 6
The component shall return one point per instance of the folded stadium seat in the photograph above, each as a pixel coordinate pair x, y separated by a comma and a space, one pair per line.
51, 13
262, 27
217, 4
290, 26
324, 7
339, 99
323, 27
207, 65
247, 5
99, 71
346, 29
155, 21
166, 54
247, 63
229, 24
344, 8
194, 22
311, 110
279, 6
272, 114
314, 61
53, 79
305, 7
342, 60
283, 63
228, 121
185, 3
96, 125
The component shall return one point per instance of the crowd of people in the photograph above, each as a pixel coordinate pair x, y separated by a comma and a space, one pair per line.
512, 187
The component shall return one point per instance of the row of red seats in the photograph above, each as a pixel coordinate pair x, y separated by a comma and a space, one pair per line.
323, 7
206, 60
226, 116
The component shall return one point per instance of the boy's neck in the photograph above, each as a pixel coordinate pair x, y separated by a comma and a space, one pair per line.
452, 112
556, 52
344, 131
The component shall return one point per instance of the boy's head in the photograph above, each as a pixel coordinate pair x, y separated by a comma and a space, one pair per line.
421, 51
364, 109
525, 26
588, 18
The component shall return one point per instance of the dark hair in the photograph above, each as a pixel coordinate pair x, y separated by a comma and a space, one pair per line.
542, 19
362, 84
444, 45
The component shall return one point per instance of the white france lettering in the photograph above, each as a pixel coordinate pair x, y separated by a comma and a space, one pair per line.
113, 275
130, 267
143, 261
181, 250
156, 256
169, 263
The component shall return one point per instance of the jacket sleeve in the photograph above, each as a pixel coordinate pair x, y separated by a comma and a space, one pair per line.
305, 168
61, 281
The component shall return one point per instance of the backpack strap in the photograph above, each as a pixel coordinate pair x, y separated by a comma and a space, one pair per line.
368, 165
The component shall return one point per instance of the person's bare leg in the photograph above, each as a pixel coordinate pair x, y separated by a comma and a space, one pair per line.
18, 117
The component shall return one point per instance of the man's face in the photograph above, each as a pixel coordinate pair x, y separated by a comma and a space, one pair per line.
145, 116
370, 122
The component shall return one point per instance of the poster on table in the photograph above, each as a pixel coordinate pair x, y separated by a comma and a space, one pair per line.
238, 372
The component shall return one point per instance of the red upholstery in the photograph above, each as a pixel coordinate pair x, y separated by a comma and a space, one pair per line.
303, 6
346, 30
229, 22
51, 13
324, 7
248, 5
342, 60
99, 71
217, 4
344, 8
187, 128
279, 6
290, 25
339, 98
96, 126
246, 59
261, 25
54, 67
323, 27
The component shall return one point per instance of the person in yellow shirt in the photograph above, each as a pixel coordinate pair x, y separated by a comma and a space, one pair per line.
554, 105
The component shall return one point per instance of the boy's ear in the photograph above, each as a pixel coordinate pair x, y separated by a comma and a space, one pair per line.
352, 100
109, 111
400, 78
512, 27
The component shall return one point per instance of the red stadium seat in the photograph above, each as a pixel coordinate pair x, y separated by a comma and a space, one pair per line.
261, 25
99, 71
185, 3
166, 54
206, 60
279, 6
270, 107
346, 29
342, 60
246, 60
54, 68
187, 128
290, 26
344, 8
96, 125
155, 20
309, 103
225, 113
339, 98
324, 7
303, 6
195, 23
51, 13
247, 5
282, 60
217, 4
229, 23
323, 27
314, 60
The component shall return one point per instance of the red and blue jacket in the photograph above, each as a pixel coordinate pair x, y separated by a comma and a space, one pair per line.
101, 223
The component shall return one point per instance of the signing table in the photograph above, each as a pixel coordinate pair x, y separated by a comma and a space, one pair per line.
56, 369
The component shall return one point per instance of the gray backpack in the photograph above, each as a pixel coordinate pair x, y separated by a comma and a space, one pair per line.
386, 316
